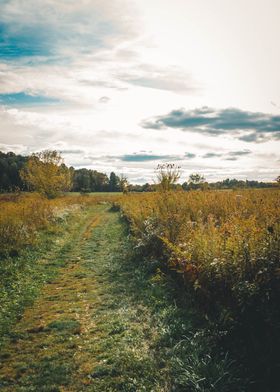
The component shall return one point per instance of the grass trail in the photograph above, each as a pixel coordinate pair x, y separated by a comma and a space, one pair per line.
91, 328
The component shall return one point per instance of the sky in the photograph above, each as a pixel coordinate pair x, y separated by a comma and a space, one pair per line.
123, 85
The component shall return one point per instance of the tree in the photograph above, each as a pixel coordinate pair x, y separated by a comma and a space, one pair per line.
196, 178
114, 182
124, 186
278, 180
10, 165
99, 181
46, 173
147, 187
87, 180
197, 181
82, 180
167, 174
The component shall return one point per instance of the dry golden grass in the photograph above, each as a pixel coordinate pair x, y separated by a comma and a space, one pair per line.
224, 242
23, 215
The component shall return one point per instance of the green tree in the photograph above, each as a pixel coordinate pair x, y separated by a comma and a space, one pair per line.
99, 181
46, 173
10, 165
147, 187
82, 180
114, 183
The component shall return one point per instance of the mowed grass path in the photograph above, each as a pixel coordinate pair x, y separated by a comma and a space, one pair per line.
91, 328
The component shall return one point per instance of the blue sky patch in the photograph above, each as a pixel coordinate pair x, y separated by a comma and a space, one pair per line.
143, 157
27, 41
45, 32
24, 99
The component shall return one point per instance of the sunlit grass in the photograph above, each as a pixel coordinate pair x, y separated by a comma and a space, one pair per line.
225, 250
106, 321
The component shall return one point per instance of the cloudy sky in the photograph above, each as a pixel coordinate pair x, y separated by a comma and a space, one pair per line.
124, 85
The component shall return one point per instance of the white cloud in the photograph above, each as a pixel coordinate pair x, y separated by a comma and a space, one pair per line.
114, 64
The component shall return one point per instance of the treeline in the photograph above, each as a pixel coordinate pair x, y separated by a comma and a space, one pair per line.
83, 180
10, 166
234, 183
88, 180
228, 184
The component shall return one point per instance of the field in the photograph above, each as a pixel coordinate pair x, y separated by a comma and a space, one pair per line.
163, 291
224, 244
224, 247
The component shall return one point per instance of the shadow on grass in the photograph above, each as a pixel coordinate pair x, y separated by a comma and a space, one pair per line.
153, 341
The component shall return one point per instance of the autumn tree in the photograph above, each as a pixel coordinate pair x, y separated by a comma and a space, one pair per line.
167, 174
46, 173
123, 181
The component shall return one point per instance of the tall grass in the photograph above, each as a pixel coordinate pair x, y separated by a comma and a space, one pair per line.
216, 240
225, 247
20, 219
23, 216
31, 228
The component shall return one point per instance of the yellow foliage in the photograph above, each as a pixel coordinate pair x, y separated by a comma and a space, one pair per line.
210, 237
45, 173
19, 221
22, 216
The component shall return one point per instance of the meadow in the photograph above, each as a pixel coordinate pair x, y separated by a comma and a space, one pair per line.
24, 215
223, 249
225, 245
201, 268
30, 225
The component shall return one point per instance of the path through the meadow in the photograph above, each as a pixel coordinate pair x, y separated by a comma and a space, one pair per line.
88, 330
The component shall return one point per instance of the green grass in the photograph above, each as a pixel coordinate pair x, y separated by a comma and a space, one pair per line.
22, 277
111, 322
